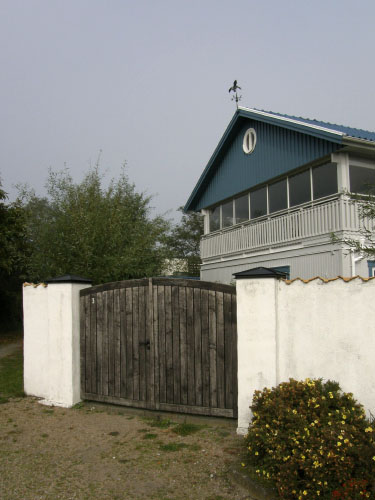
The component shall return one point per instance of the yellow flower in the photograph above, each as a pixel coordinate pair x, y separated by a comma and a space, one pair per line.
369, 429
304, 492
338, 443
294, 411
256, 453
330, 395
243, 465
318, 492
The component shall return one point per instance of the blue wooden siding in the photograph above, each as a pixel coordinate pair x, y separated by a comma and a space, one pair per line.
278, 150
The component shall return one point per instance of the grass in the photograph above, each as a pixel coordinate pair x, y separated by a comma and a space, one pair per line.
173, 446
186, 429
11, 377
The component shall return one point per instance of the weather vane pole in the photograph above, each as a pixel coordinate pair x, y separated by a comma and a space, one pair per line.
235, 96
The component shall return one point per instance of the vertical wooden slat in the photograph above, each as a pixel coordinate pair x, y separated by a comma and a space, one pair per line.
212, 344
176, 346
150, 354
87, 342
105, 345
235, 353
129, 343
161, 330
183, 346
228, 348
220, 354
93, 343
205, 350
117, 340
99, 341
82, 321
123, 343
198, 346
142, 348
111, 345
155, 326
190, 344
136, 345
169, 343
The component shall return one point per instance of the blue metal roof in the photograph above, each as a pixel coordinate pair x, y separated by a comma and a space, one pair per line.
349, 131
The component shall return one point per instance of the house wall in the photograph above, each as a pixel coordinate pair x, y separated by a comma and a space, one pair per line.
304, 330
319, 259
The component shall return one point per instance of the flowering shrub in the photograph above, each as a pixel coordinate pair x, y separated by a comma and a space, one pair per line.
312, 441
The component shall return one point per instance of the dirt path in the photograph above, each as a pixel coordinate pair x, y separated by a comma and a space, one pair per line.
11, 348
110, 453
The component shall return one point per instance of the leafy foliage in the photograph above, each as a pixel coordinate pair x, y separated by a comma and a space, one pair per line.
105, 234
184, 240
312, 441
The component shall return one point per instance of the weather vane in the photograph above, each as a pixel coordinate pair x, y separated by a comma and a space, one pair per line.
234, 89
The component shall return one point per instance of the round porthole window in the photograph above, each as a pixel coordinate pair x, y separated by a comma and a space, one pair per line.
249, 141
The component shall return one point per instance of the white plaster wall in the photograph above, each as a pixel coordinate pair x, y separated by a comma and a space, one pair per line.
327, 330
35, 320
52, 348
256, 347
302, 330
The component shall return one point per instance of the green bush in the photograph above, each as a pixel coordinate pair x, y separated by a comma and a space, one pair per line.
312, 441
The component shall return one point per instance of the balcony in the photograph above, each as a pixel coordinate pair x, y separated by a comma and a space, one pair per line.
305, 222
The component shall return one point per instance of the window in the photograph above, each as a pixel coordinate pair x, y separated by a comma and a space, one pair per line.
227, 214
362, 179
324, 180
371, 268
249, 141
215, 219
277, 196
258, 202
299, 188
241, 209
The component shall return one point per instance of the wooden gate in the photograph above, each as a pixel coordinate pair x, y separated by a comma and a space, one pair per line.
159, 343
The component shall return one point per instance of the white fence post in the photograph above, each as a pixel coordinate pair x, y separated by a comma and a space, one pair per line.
51, 340
257, 346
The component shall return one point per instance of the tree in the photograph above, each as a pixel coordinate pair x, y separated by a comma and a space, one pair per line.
105, 234
13, 255
184, 241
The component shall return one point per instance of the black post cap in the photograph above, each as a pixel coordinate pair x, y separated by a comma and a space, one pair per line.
260, 272
69, 278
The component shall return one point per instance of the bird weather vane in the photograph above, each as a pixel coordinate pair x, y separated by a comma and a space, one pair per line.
235, 96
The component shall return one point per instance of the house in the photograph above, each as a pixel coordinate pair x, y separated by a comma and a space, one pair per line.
276, 189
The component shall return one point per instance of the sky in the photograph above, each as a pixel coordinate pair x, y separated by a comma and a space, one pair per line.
146, 82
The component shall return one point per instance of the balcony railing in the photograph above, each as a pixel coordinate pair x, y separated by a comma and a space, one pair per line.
325, 218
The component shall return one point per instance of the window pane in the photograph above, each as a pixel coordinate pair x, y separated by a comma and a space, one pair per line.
277, 196
299, 188
362, 180
258, 202
215, 219
324, 180
227, 213
241, 206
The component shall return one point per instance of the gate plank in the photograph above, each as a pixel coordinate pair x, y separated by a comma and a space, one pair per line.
105, 345
168, 343
220, 359
82, 318
190, 344
155, 326
198, 346
117, 346
129, 343
176, 369
183, 346
111, 344
99, 341
212, 343
205, 350
136, 345
88, 350
161, 330
228, 347
122, 343
93, 342
234, 340
150, 367
142, 348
